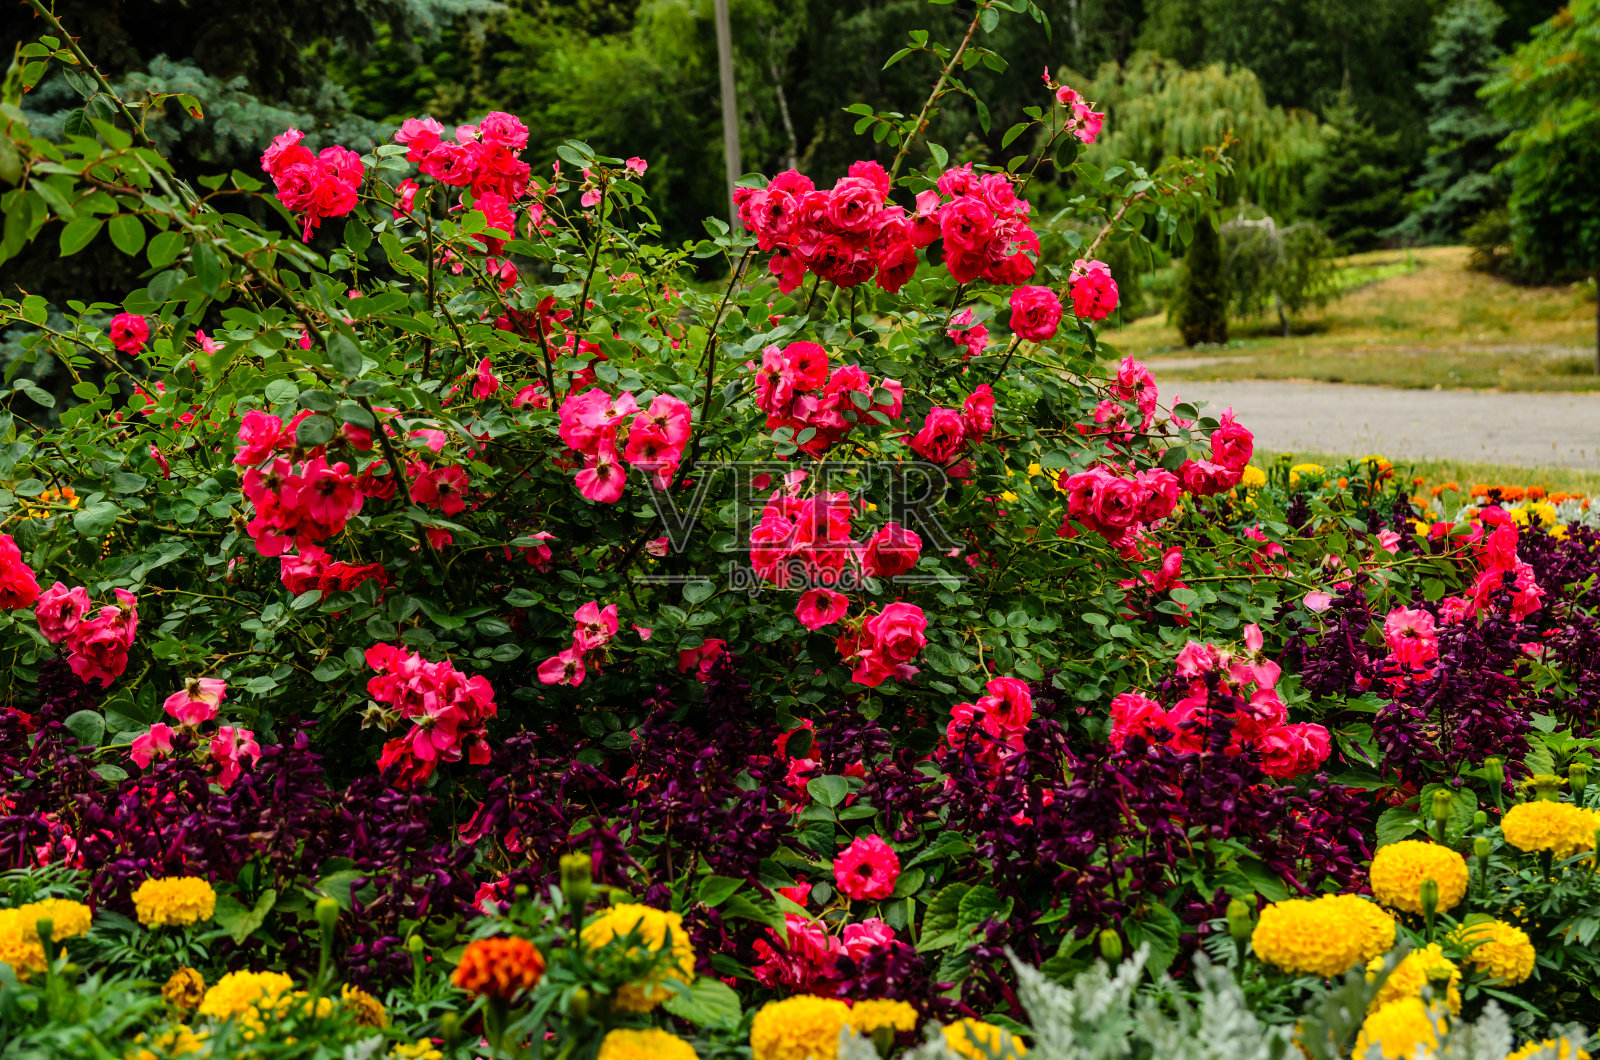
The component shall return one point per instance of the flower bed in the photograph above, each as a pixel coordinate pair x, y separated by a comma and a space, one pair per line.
442, 626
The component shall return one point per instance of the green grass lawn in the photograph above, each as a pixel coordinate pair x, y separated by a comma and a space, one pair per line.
1417, 319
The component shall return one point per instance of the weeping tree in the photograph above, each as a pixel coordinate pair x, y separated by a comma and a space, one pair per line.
1156, 108
1286, 268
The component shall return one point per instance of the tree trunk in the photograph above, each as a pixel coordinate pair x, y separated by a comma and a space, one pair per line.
730, 106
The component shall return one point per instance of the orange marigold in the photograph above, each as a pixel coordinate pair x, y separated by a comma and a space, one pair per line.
503, 967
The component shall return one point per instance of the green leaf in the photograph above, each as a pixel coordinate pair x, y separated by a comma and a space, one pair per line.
89, 726
314, 430
829, 791
345, 355
337, 885
939, 922
706, 1002
127, 232
97, 519
163, 249
714, 890
1397, 823
239, 922
207, 268
79, 233
1159, 928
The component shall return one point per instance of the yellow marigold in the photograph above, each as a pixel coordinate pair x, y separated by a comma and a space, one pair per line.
1563, 1050
185, 989
1398, 871
422, 1050
650, 1044
1559, 531
20, 945
1399, 1027
1312, 470
868, 1016
174, 900
798, 1028
980, 1041
658, 929
1322, 936
1543, 511
1518, 516
68, 919
1253, 478
177, 1040
367, 1010
1496, 948
1559, 827
1420, 968
242, 995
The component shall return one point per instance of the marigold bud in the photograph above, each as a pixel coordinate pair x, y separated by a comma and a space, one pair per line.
450, 1031
1578, 776
1495, 770
1480, 848
1480, 820
327, 912
1239, 923
1110, 946
577, 878
415, 945
1441, 806
1428, 893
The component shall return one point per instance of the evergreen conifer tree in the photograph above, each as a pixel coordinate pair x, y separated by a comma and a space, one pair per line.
1200, 309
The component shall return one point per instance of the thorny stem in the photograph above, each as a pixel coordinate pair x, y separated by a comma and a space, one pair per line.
594, 259
105, 86
938, 90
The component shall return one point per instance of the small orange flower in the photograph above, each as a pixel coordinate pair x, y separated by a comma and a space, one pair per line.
1536, 493
1451, 486
1479, 490
503, 968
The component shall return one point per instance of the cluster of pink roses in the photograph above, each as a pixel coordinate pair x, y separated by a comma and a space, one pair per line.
1218, 692
983, 225
593, 628
1116, 506
299, 504
807, 958
845, 235
1231, 447
312, 569
804, 539
1094, 292
795, 389
197, 702
885, 644
1503, 570
991, 730
447, 710
484, 158
657, 436
315, 186
1085, 122
98, 644
947, 435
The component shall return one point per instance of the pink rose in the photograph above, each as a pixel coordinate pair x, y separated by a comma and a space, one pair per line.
1035, 313
821, 607
898, 632
59, 610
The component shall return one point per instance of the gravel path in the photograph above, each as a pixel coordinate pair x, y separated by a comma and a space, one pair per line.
1549, 429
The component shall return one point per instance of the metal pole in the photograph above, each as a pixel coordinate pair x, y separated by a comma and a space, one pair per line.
730, 106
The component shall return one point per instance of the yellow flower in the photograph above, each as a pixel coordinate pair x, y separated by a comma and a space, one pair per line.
367, 1010
68, 919
1311, 470
1558, 532
185, 989
1543, 512
1498, 949
980, 1041
1559, 827
1563, 1050
243, 996
1420, 968
658, 929
798, 1028
20, 945
174, 900
1399, 1027
1253, 477
1518, 516
1034, 470
1398, 871
422, 1050
651, 1044
868, 1016
177, 1040
1322, 936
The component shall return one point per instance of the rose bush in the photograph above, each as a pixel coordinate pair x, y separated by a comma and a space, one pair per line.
425, 529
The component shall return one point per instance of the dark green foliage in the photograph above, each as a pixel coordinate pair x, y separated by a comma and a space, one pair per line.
1549, 90
1356, 190
1457, 184
1285, 268
1201, 308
